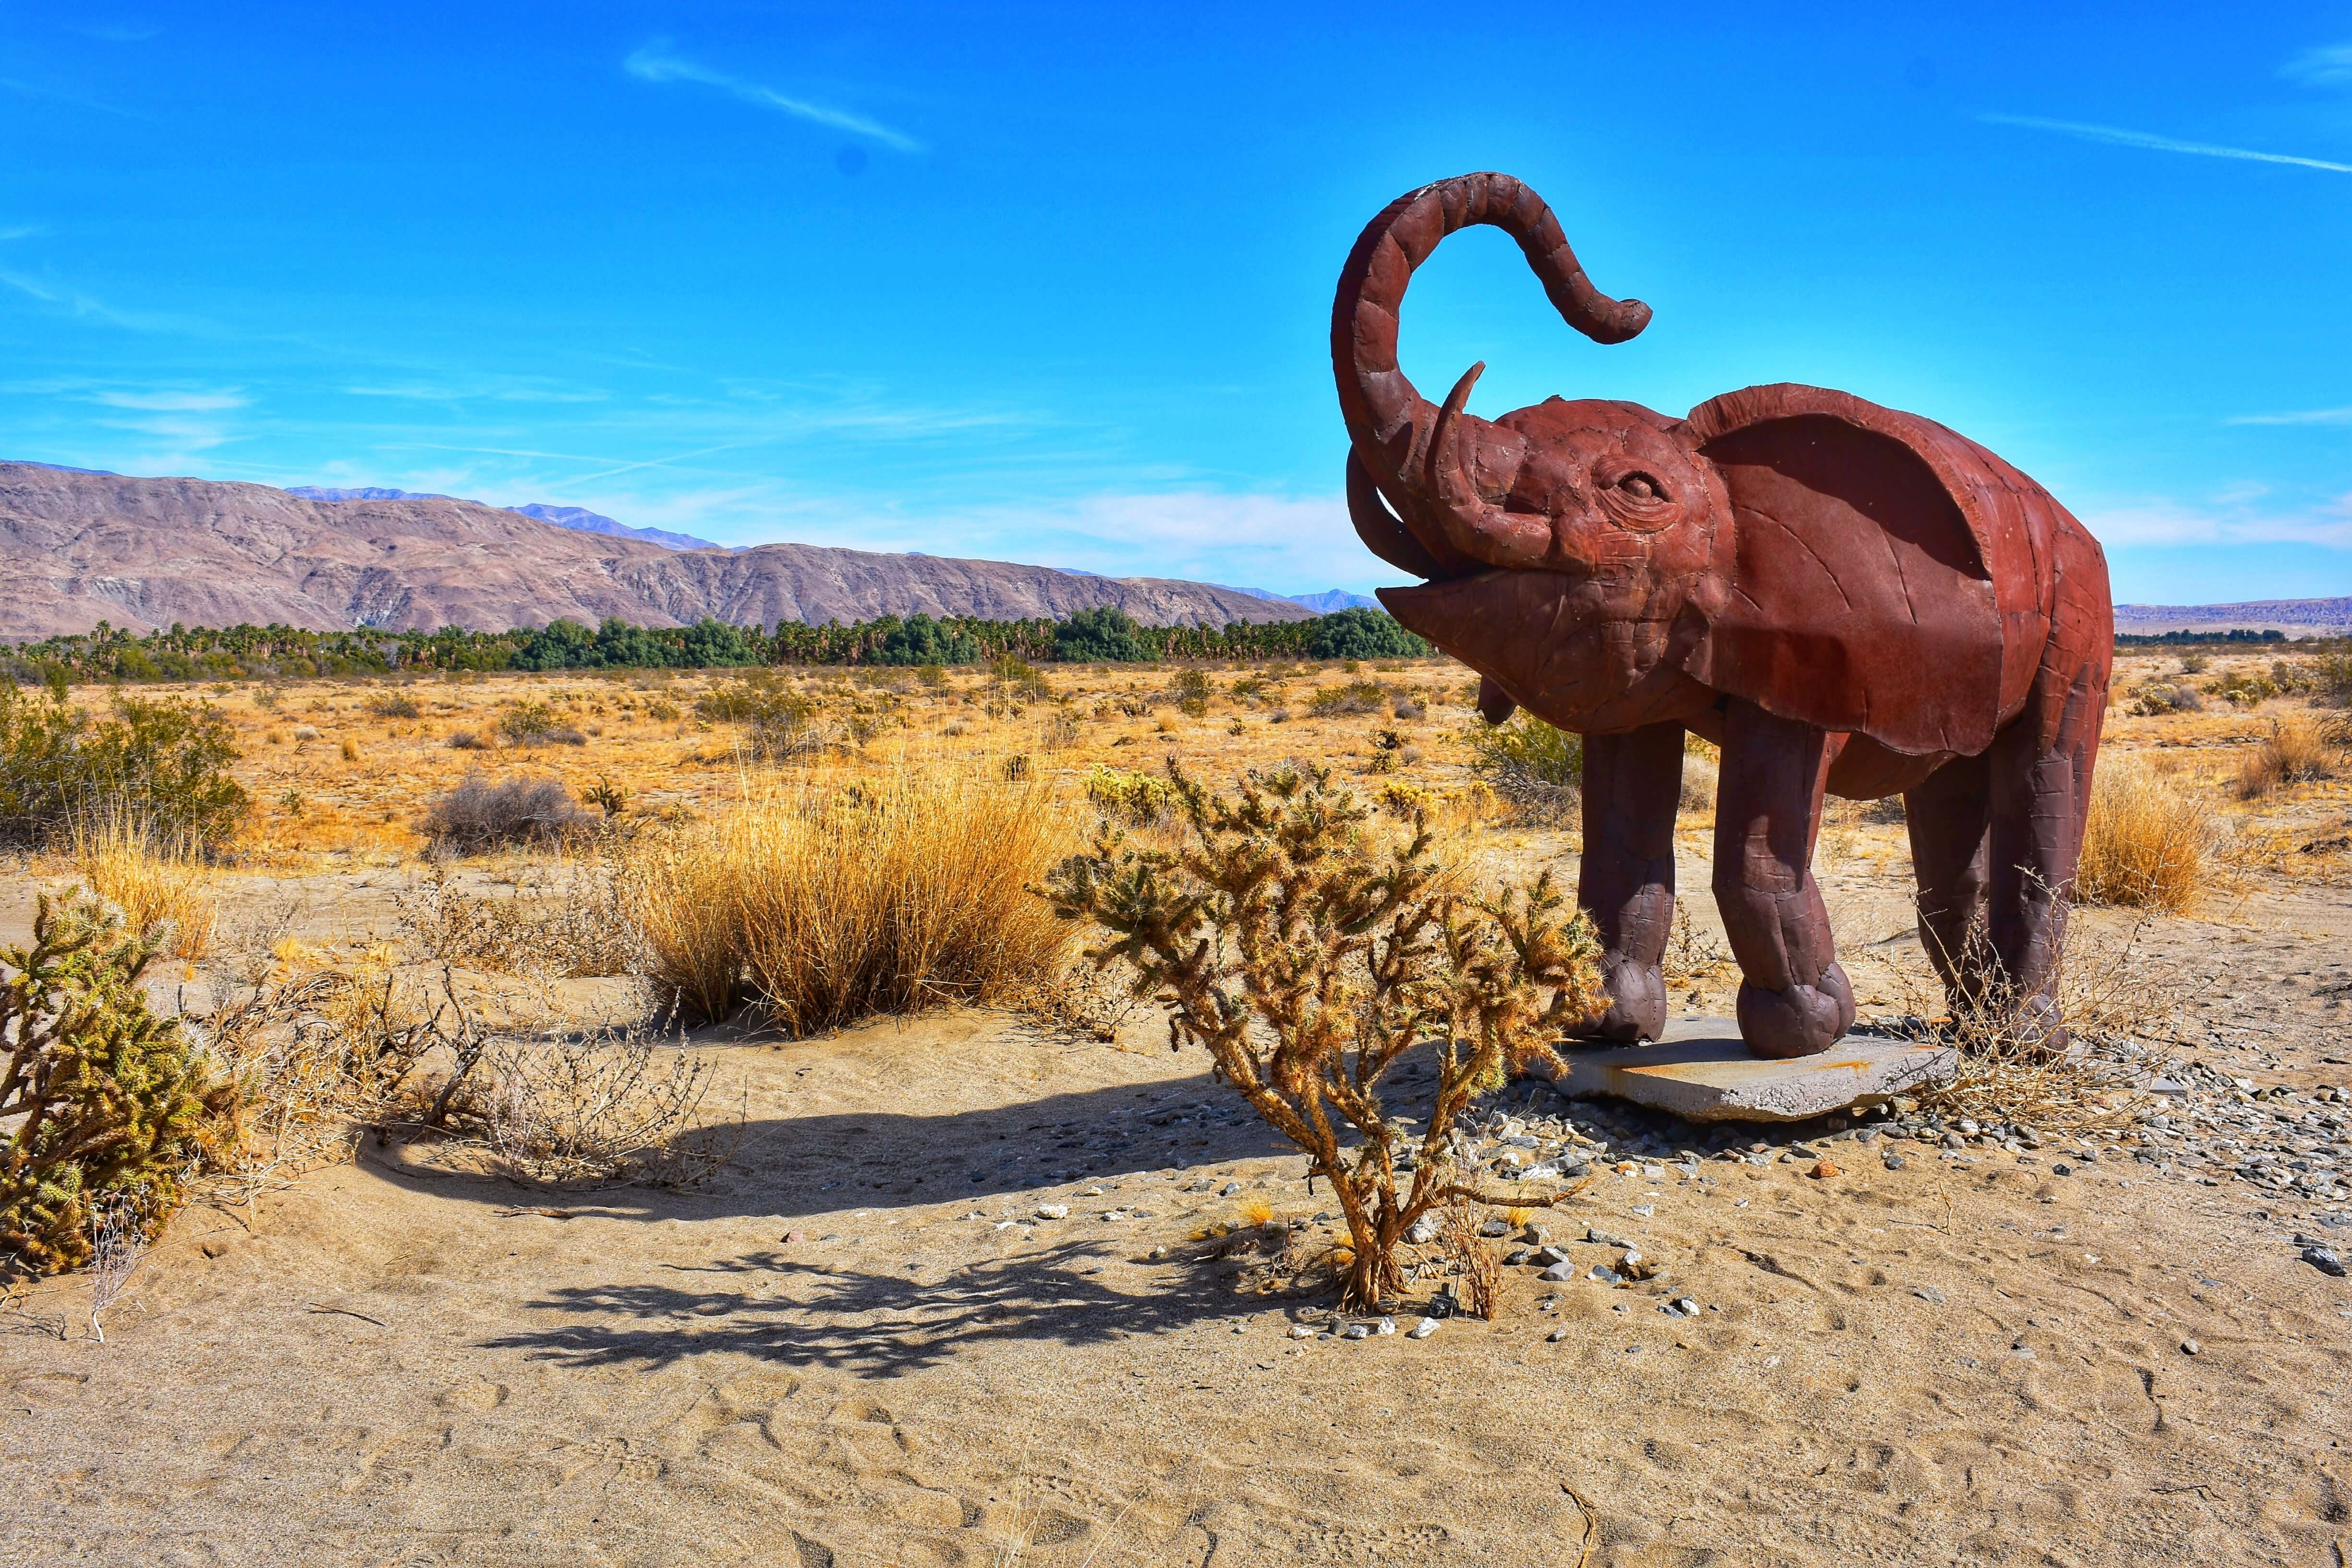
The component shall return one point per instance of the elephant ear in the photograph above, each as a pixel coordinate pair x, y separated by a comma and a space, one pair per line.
1870, 553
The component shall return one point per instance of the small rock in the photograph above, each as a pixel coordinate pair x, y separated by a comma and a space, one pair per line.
1228, 1190
2061, 1169
1422, 1329
1557, 1335
795, 1236
1424, 1232
1892, 1160
1533, 1234
1495, 1228
1683, 1306
1302, 1331
1645, 1210
1822, 1170
1602, 1239
1604, 1275
2191, 1347
1053, 1211
1092, 1193
1559, 1272
1360, 1331
1929, 1293
1387, 1325
2323, 1259
1550, 1255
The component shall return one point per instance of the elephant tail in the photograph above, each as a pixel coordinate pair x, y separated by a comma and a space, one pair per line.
1389, 422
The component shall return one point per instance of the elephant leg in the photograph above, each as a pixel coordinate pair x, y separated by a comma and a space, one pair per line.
2040, 802
1626, 878
1950, 816
1794, 999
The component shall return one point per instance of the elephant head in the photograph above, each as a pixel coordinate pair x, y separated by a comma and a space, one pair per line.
1836, 562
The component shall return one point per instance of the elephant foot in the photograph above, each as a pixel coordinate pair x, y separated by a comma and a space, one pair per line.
2038, 1029
1801, 1021
1637, 1005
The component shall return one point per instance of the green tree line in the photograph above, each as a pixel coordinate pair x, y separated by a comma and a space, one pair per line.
182, 653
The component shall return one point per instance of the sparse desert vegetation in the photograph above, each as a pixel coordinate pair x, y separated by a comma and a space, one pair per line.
765, 952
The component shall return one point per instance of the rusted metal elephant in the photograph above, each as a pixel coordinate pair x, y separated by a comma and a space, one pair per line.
1844, 598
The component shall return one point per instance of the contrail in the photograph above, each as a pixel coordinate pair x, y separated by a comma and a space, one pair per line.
2110, 135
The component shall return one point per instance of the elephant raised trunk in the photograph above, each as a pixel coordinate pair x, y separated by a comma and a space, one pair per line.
1392, 427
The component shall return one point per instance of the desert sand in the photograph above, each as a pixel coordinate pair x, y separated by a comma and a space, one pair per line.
862, 1344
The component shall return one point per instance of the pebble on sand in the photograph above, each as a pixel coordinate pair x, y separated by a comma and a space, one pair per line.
1822, 1170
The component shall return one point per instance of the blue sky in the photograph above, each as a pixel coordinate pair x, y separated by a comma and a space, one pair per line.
1053, 284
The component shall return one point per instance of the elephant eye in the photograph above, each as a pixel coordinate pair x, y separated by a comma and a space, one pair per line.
1641, 486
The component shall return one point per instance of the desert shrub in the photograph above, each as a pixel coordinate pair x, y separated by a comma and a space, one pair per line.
1191, 689
1104, 635
662, 711
1531, 766
2160, 697
394, 705
2194, 663
1355, 697
477, 815
1019, 677
1360, 633
2328, 675
161, 884
828, 903
597, 1109
1129, 796
565, 922
2123, 1009
2297, 750
1059, 732
106, 1102
1308, 949
163, 763
2239, 689
756, 694
530, 721
467, 741
2146, 843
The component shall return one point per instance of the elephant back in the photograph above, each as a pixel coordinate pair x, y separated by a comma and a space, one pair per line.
1890, 576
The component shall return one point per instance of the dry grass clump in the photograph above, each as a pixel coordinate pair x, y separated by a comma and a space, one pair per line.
827, 901
2147, 844
477, 815
1307, 947
159, 881
2297, 750
2123, 1012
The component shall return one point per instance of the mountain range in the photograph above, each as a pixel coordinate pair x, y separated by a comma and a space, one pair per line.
587, 522
2296, 617
77, 547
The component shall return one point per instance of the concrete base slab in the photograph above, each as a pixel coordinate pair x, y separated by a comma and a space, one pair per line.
1702, 1072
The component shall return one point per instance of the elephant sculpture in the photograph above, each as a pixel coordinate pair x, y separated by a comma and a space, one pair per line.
1844, 598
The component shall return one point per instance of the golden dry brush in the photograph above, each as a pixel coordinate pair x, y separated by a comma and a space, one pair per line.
1308, 945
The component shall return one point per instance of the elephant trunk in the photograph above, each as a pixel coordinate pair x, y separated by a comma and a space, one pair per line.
1390, 425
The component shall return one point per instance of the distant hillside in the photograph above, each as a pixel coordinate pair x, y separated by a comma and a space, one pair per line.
2296, 617
1322, 603
577, 518
582, 520
78, 548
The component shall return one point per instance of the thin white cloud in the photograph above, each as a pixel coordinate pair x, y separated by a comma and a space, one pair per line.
75, 302
2164, 522
119, 33
2114, 137
22, 231
656, 63
174, 402
2296, 416
2330, 65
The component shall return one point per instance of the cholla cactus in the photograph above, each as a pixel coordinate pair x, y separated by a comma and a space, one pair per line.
1308, 948
109, 1102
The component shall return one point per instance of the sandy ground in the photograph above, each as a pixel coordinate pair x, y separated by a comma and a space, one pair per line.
1970, 1359
862, 1345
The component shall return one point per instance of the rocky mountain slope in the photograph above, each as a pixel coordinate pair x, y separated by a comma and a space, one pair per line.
79, 548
